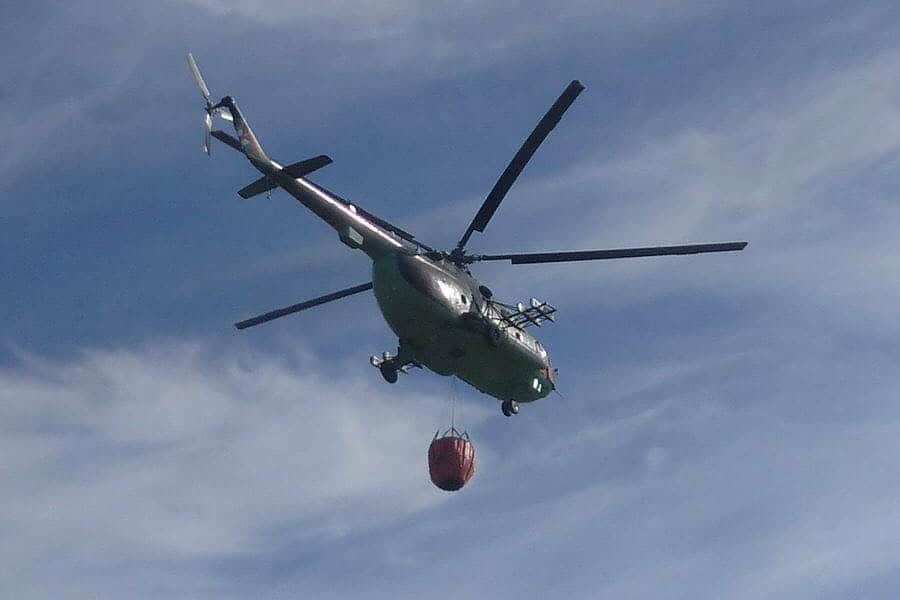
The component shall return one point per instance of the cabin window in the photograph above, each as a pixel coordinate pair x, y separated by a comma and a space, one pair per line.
518, 335
464, 299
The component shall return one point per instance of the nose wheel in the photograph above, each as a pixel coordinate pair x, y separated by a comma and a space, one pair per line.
509, 408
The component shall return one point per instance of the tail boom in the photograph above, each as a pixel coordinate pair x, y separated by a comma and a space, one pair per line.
354, 229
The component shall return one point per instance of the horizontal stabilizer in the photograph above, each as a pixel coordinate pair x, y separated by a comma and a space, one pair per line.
297, 169
261, 185
305, 167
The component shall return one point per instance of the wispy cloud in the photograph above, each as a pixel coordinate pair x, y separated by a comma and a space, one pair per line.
464, 23
177, 451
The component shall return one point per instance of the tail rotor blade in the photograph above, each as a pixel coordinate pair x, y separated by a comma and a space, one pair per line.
204, 91
195, 71
225, 114
207, 127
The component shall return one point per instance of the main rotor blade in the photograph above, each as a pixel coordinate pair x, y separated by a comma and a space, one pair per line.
195, 71
551, 257
287, 310
517, 164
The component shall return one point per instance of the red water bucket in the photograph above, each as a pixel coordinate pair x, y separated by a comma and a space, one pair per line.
451, 460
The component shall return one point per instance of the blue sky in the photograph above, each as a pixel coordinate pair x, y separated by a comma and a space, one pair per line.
729, 426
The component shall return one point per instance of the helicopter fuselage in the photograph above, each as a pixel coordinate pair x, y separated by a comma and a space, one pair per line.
444, 322
444, 319
437, 309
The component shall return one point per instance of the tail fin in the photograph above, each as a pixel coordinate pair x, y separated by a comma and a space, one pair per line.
249, 144
227, 139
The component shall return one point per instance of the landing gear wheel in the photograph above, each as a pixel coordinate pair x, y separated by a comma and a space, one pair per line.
388, 372
509, 408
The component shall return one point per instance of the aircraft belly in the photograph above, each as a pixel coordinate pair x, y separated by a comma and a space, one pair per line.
501, 371
412, 315
430, 325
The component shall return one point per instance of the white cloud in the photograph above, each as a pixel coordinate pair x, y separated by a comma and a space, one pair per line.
741, 506
410, 42
461, 22
364, 40
176, 451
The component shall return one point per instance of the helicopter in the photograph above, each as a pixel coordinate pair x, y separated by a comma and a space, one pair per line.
444, 318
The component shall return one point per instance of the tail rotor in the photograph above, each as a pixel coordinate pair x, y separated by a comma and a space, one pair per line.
210, 109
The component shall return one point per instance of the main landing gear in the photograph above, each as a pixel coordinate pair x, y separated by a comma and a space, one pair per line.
509, 408
391, 366
388, 371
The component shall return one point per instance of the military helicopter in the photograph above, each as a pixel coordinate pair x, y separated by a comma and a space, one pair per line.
444, 318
